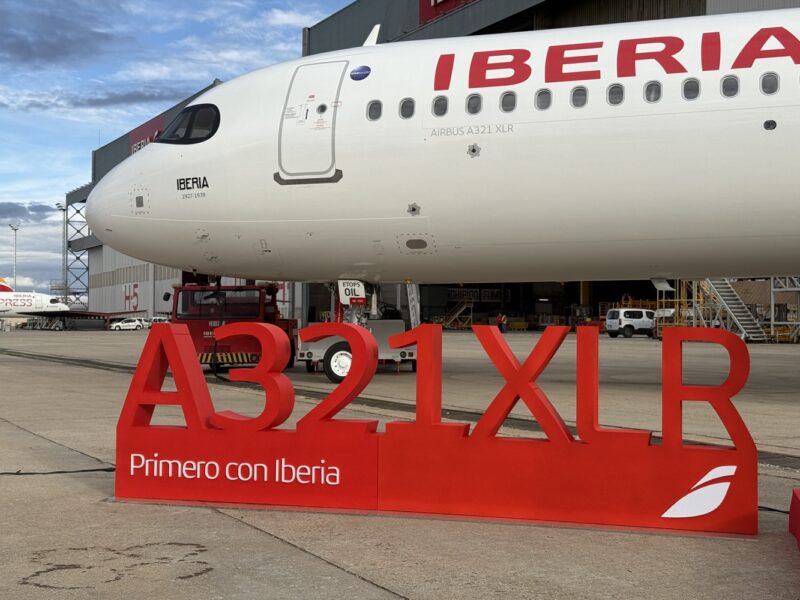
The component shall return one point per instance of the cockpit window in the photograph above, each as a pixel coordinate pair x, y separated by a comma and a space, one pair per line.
194, 124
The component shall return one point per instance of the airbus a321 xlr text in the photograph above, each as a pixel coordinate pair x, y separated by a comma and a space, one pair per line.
664, 149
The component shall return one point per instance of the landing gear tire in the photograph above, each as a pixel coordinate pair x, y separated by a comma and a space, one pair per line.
310, 367
627, 332
612, 335
413, 366
292, 353
337, 361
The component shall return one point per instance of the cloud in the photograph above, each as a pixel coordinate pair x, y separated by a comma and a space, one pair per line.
39, 34
292, 18
31, 213
63, 100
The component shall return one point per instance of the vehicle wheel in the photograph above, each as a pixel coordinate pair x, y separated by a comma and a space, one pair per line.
310, 367
290, 364
612, 335
413, 366
651, 333
116, 328
336, 363
138, 327
627, 331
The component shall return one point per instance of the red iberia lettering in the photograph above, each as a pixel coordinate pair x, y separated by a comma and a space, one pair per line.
754, 49
557, 59
710, 51
444, 72
514, 61
629, 54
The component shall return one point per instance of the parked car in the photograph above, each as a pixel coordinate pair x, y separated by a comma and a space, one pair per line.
127, 324
150, 321
630, 321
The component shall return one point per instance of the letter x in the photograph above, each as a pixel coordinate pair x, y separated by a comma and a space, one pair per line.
520, 383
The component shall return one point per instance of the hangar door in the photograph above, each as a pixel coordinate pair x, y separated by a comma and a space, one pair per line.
307, 135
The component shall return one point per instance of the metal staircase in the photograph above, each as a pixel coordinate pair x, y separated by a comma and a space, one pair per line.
412, 291
460, 316
741, 320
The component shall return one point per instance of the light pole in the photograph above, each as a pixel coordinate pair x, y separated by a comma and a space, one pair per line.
15, 228
65, 291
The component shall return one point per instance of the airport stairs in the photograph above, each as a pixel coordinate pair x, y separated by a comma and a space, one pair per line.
460, 316
743, 320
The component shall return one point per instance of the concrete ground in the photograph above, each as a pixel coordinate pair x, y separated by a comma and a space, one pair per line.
64, 536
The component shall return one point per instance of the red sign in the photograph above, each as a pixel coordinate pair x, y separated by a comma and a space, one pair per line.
145, 134
581, 62
602, 476
794, 516
430, 9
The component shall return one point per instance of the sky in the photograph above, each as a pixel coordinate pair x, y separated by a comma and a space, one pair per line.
76, 74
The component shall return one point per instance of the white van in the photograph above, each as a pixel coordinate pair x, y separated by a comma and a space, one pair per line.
629, 321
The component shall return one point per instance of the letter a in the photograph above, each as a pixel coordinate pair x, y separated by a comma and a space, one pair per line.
167, 347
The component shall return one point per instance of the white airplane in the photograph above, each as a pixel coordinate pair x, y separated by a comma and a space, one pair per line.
663, 149
21, 305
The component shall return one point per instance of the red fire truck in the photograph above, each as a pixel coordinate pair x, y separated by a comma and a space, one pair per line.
203, 308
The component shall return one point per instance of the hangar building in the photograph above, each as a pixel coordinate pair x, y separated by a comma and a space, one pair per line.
118, 283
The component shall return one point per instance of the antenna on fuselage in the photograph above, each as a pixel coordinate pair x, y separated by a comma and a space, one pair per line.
372, 38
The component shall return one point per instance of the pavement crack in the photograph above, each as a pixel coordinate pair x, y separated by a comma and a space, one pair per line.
47, 439
69, 472
310, 553
771, 509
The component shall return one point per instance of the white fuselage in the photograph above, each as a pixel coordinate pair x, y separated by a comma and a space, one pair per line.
298, 183
21, 305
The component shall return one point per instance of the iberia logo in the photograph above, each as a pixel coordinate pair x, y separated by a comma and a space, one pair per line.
707, 495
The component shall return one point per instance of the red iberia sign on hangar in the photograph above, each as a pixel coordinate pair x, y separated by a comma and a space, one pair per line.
594, 475
430, 9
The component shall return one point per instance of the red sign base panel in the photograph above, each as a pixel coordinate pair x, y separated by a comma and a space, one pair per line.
596, 475
794, 516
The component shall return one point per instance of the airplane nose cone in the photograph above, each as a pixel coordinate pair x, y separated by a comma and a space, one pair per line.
99, 209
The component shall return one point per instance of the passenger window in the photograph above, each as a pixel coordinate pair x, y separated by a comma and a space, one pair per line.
407, 108
474, 104
652, 92
650, 314
769, 83
730, 86
508, 102
374, 110
632, 314
544, 98
691, 89
616, 94
440, 106
580, 97
194, 124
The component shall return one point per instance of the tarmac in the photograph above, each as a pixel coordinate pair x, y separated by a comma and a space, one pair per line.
65, 536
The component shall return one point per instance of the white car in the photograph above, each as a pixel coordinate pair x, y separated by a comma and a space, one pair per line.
629, 321
127, 324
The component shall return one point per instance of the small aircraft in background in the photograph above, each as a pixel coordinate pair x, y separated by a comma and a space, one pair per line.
20, 305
